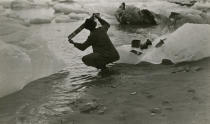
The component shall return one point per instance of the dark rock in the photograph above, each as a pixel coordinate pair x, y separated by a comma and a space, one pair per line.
174, 15
155, 111
191, 91
136, 52
179, 69
113, 86
135, 43
165, 103
88, 107
127, 14
102, 110
169, 108
187, 69
149, 96
195, 69
159, 44
167, 62
146, 44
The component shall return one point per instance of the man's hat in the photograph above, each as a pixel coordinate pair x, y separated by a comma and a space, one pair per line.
90, 24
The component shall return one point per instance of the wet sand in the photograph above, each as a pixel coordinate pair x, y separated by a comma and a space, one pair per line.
146, 94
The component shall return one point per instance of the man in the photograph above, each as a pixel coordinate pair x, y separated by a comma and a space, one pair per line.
104, 51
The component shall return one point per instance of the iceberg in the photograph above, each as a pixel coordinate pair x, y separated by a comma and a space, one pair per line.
24, 57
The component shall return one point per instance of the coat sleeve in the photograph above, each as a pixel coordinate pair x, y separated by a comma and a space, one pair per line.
104, 23
85, 45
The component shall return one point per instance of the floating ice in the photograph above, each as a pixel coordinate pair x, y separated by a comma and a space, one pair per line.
78, 16
62, 19
19, 4
24, 57
188, 43
202, 6
6, 3
68, 8
36, 16
23, 4
41, 20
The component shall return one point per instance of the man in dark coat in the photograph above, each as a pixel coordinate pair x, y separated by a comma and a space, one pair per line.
104, 51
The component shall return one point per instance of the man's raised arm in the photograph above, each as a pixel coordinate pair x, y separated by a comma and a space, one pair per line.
103, 22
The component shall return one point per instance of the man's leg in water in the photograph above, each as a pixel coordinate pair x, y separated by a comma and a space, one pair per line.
95, 60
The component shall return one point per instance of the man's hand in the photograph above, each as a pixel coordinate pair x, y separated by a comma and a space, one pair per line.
71, 41
96, 15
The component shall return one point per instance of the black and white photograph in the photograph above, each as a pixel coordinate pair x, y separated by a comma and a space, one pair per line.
104, 61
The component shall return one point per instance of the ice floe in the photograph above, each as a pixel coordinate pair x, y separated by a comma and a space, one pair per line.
24, 57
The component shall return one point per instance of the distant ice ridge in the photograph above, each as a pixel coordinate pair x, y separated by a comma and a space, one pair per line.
24, 57
190, 42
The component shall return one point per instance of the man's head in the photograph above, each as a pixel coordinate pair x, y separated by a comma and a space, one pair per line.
90, 24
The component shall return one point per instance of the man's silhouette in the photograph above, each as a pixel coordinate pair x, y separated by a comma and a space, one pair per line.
104, 51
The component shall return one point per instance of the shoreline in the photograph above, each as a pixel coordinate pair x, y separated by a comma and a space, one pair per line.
143, 93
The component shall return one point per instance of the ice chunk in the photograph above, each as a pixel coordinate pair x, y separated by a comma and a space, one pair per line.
24, 57
68, 8
62, 19
19, 4
1, 9
65, 1
180, 18
15, 64
202, 6
36, 16
78, 16
41, 20
188, 43
6, 3
126, 56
